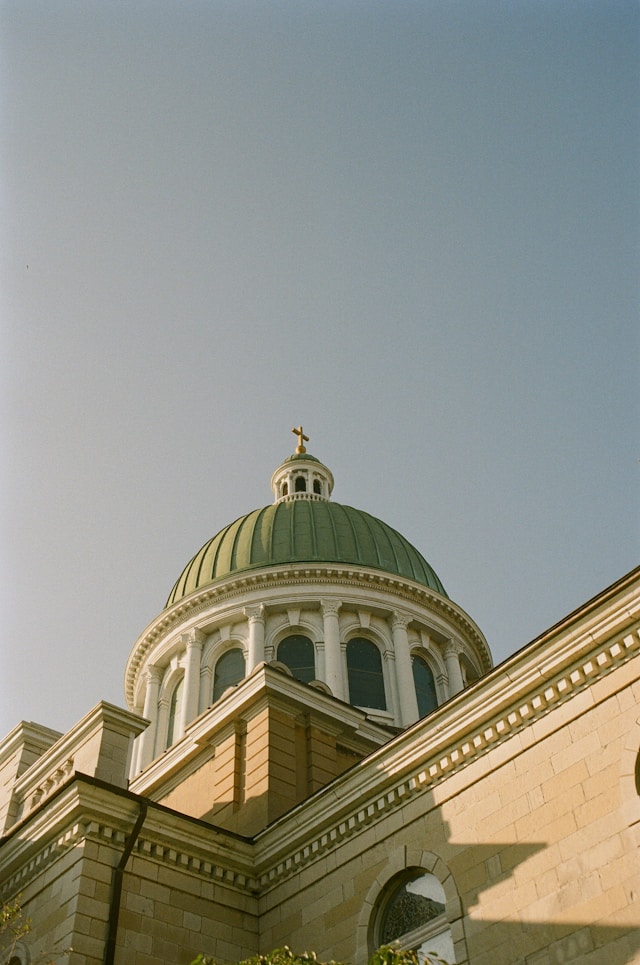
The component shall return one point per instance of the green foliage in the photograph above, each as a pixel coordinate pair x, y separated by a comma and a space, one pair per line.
13, 927
386, 955
279, 956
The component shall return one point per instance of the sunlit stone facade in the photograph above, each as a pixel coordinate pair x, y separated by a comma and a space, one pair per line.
317, 751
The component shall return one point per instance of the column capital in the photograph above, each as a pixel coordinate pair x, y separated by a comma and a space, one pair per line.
453, 648
400, 621
193, 638
330, 607
153, 674
255, 613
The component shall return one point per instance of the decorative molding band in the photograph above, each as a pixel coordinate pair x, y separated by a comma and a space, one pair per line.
73, 835
194, 864
256, 867
48, 786
444, 760
230, 588
148, 847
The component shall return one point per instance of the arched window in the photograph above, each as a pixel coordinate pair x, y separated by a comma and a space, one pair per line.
301, 484
298, 654
317, 487
19, 953
412, 916
175, 708
425, 685
285, 489
364, 669
229, 671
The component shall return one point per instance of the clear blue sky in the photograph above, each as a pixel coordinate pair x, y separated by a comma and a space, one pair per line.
410, 226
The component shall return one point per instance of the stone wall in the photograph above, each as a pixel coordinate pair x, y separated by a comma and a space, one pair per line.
519, 795
536, 842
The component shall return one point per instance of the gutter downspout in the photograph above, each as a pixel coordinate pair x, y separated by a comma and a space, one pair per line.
116, 889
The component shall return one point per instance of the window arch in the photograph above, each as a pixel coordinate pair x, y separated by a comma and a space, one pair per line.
229, 671
412, 916
364, 671
298, 654
285, 489
175, 710
301, 484
317, 487
19, 955
425, 685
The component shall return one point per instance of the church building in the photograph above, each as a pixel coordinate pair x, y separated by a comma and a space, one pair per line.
317, 751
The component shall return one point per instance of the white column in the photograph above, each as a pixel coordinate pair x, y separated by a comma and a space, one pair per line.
452, 661
153, 676
408, 709
334, 677
391, 684
255, 616
206, 688
163, 724
193, 641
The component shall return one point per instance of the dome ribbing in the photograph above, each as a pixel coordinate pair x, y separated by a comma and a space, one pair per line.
304, 530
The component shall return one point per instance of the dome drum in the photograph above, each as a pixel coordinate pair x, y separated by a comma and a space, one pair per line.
334, 594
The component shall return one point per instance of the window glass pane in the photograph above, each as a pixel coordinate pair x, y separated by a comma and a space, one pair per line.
425, 686
229, 671
413, 904
441, 945
298, 654
364, 667
175, 708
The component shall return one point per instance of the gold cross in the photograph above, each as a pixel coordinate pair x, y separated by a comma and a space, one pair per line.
301, 439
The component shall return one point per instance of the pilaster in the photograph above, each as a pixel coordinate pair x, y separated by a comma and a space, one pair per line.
334, 677
153, 676
255, 617
193, 641
407, 710
452, 653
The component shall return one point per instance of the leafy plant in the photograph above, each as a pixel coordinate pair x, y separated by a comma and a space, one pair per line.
14, 927
386, 955
279, 956
389, 955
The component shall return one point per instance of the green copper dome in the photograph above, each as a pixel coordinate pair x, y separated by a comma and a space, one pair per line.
304, 530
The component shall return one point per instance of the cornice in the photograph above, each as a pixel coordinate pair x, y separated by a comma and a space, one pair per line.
294, 575
35, 738
500, 706
52, 769
460, 732
86, 810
